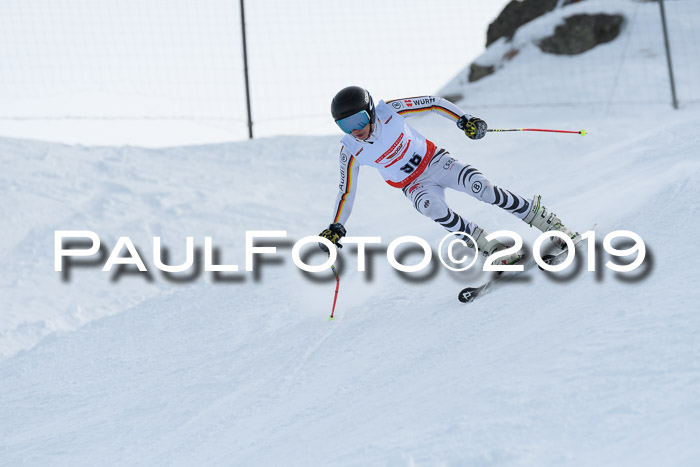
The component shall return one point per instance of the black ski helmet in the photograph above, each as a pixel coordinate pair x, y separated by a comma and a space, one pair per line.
351, 100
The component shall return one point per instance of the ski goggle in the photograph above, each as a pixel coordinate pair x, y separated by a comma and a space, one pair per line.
354, 122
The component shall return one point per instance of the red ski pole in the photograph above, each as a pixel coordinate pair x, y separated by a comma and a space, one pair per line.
337, 279
337, 285
581, 132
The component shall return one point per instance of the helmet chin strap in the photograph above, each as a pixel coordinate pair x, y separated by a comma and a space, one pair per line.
372, 127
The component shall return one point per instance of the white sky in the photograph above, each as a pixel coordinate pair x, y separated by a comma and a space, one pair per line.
181, 59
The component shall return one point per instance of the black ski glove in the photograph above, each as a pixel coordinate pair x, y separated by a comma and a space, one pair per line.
334, 233
473, 127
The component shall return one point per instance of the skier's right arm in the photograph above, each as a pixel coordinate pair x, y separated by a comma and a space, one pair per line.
349, 171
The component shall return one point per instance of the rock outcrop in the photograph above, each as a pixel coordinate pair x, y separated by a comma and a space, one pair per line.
514, 15
581, 33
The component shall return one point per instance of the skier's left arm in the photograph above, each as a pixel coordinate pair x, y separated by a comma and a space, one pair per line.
410, 106
473, 127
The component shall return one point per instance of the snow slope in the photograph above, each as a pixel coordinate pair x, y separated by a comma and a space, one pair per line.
632, 69
583, 372
594, 368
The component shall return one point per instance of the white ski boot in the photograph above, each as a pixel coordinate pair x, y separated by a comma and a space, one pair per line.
545, 220
490, 247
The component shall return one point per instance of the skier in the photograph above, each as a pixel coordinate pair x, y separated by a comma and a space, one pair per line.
380, 137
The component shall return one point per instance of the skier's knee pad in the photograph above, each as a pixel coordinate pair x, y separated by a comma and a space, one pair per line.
431, 206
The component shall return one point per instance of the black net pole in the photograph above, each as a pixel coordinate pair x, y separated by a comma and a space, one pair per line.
668, 55
245, 72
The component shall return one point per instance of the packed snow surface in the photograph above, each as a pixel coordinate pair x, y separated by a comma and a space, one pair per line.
580, 368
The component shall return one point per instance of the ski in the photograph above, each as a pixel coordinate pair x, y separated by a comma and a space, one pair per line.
561, 256
469, 294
